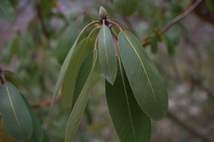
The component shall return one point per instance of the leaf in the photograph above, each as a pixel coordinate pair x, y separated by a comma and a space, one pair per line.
146, 82
129, 120
210, 4
107, 54
82, 90
80, 53
154, 44
65, 42
170, 46
6, 10
15, 115
37, 135
62, 72
125, 7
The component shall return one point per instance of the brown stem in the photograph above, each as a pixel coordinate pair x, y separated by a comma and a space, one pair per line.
180, 17
187, 127
41, 20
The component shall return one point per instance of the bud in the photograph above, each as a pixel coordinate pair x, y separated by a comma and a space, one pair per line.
102, 12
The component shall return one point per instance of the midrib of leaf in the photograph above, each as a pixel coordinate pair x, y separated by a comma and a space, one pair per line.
127, 101
106, 51
147, 76
11, 103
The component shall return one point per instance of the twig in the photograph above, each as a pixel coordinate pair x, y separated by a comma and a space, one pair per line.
44, 29
187, 127
180, 17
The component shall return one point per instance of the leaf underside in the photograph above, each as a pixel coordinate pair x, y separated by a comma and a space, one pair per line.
107, 54
146, 82
80, 53
82, 92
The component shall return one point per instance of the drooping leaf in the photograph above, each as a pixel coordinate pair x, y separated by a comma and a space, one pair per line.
37, 134
170, 46
62, 72
82, 91
107, 55
66, 41
154, 44
129, 120
6, 10
80, 53
15, 114
146, 82
126, 7
11, 77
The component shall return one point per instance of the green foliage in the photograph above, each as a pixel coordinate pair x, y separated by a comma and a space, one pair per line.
6, 10
129, 120
83, 84
146, 82
16, 117
126, 7
107, 54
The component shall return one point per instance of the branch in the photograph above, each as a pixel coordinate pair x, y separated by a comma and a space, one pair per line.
187, 127
180, 17
41, 20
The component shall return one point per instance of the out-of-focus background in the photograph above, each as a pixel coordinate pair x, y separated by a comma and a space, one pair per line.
185, 59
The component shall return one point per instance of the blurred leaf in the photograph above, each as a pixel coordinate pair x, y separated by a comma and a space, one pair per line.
210, 4
6, 10
146, 82
183, 29
170, 46
80, 53
37, 135
125, 7
82, 90
4, 136
107, 54
65, 42
129, 120
15, 115
154, 44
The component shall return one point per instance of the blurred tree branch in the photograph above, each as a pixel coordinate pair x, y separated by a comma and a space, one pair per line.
187, 127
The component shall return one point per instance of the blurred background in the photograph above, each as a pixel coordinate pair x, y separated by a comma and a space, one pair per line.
185, 59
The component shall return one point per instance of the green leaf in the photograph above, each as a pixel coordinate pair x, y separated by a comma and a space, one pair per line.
65, 42
146, 82
80, 53
82, 91
210, 4
15, 114
126, 7
107, 54
62, 72
129, 120
37, 135
154, 44
6, 10
170, 46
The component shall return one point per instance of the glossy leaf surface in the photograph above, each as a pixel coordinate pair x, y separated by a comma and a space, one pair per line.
107, 55
6, 10
130, 122
146, 82
82, 92
126, 7
80, 53
15, 114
